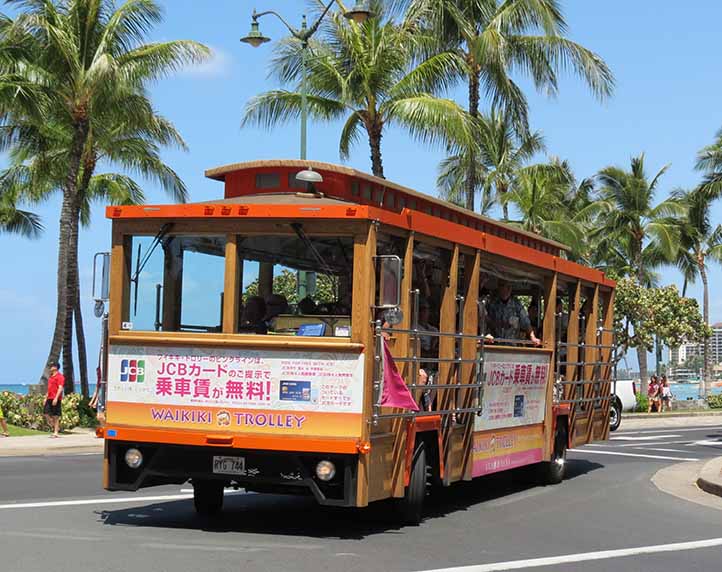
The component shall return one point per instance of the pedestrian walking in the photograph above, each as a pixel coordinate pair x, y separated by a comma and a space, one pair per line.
54, 399
654, 395
667, 396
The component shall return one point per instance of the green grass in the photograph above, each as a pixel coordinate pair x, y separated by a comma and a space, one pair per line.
22, 431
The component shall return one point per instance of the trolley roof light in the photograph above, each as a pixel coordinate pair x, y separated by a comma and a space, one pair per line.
309, 176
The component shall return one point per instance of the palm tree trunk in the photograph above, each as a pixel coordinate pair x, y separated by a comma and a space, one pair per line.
375, 130
658, 356
69, 214
68, 369
82, 350
641, 350
643, 370
88, 170
72, 297
706, 381
470, 183
56, 345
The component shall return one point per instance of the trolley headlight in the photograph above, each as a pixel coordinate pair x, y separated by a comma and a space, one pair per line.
133, 458
325, 470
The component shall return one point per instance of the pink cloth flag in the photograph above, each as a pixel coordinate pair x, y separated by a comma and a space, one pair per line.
395, 393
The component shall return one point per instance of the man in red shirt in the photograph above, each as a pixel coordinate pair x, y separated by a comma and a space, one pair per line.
54, 399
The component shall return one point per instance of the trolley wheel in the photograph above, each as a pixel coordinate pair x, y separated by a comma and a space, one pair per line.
208, 497
615, 415
553, 472
411, 506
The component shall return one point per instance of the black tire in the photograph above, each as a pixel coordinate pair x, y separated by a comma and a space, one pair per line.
615, 415
208, 497
411, 506
553, 472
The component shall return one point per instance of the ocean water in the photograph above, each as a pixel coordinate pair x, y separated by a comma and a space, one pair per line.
23, 388
689, 391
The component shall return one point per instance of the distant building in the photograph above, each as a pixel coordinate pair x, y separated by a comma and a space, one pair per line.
715, 343
678, 356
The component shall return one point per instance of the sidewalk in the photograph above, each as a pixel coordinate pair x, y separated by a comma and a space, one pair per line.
678, 419
79, 441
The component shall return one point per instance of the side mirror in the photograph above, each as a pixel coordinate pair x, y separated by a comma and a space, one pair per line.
389, 268
101, 280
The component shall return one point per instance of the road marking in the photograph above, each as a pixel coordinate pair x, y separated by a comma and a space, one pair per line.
708, 443
226, 492
620, 454
645, 438
255, 547
649, 432
640, 445
200, 548
82, 502
663, 450
583, 557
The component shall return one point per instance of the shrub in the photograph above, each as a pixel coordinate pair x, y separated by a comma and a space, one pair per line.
714, 401
87, 414
27, 411
70, 417
642, 402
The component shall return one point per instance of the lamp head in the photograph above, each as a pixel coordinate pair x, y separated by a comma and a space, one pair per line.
359, 13
254, 37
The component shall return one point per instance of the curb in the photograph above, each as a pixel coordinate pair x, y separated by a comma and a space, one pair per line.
671, 415
42, 452
710, 477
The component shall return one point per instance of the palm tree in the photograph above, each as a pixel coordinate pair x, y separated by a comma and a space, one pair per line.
641, 234
17, 221
501, 153
367, 75
709, 160
541, 195
87, 60
701, 241
39, 160
490, 38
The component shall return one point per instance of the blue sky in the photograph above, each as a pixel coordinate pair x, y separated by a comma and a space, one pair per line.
666, 104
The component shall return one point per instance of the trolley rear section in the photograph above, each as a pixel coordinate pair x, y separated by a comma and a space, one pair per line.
354, 341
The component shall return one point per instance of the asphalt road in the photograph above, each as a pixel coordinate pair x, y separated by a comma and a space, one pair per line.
53, 515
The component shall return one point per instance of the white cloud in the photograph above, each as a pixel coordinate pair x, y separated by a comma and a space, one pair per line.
216, 66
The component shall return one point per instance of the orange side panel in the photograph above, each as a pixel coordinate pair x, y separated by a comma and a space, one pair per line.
221, 211
199, 439
420, 425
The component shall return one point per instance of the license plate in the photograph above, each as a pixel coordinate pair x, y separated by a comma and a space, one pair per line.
229, 465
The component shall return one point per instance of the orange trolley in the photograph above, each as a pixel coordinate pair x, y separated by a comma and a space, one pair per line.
246, 340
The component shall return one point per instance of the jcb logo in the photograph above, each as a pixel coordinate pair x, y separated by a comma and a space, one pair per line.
132, 370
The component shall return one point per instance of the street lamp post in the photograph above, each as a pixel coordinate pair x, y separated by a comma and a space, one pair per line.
359, 13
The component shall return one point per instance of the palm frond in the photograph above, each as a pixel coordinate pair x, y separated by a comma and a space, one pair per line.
279, 106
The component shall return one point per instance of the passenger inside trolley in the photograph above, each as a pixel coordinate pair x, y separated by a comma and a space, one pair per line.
506, 317
252, 321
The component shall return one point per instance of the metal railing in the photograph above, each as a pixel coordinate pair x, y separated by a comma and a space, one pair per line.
595, 353
417, 362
